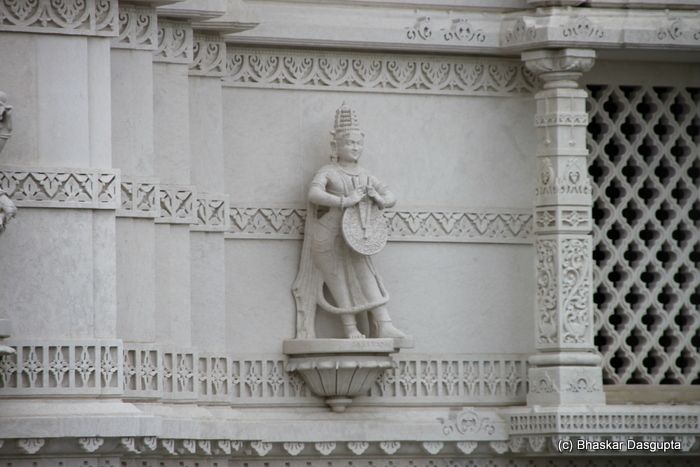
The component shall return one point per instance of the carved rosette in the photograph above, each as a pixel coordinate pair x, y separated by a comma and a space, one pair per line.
175, 42
209, 55
137, 28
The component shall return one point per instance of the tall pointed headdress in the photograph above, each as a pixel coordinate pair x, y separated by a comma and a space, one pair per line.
345, 120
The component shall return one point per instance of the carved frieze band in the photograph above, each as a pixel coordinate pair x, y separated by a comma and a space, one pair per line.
74, 17
62, 188
209, 55
371, 453
212, 213
176, 204
346, 71
412, 226
139, 197
138, 371
175, 42
137, 28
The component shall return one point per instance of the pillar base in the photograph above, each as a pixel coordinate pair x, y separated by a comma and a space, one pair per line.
565, 385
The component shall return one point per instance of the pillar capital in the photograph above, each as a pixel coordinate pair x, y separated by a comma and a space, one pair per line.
559, 68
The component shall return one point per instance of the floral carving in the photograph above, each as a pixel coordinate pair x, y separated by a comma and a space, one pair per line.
421, 29
450, 226
575, 277
376, 73
293, 449
389, 447
31, 445
325, 448
521, 32
461, 30
209, 55
546, 251
582, 27
89, 17
175, 42
582, 385
466, 421
70, 188
90, 444
137, 28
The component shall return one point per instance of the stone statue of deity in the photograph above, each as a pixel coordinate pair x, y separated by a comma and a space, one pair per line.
7, 207
344, 226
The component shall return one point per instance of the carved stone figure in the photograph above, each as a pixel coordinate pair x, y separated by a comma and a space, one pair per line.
7, 207
344, 226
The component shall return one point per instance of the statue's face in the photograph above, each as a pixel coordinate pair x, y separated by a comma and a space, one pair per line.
349, 146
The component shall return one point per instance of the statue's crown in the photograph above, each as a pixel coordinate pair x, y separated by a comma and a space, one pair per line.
345, 119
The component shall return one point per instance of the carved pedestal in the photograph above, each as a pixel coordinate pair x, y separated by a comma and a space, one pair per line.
339, 369
567, 369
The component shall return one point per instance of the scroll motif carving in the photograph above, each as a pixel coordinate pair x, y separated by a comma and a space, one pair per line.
412, 74
137, 28
575, 278
70, 188
547, 323
582, 28
466, 421
77, 17
461, 30
448, 226
175, 42
421, 29
209, 55
520, 32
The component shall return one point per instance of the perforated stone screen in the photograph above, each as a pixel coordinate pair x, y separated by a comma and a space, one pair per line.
645, 169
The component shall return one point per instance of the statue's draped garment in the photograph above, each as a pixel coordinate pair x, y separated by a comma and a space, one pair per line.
328, 264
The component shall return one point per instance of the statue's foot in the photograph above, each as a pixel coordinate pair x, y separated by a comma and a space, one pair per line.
386, 329
351, 332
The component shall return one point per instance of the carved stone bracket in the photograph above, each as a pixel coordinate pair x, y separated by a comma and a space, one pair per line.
175, 42
209, 55
137, 28
73, 17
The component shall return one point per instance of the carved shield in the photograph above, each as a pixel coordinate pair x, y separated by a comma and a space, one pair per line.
365, 228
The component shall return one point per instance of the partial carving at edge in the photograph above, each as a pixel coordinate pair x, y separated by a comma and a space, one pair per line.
87, 17
364, 72
429, 226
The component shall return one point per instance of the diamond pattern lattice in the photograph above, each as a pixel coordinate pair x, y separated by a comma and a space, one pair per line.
645, 168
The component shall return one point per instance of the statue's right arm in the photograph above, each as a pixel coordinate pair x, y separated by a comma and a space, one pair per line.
318, 194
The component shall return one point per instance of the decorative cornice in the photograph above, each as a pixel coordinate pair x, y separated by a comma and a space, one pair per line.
137, 28
412, 226
73, 17
209, 55
61, 188
570, 61
175, 42
389, 73
457, 30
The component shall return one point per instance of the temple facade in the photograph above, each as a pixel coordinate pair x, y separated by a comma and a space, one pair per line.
535, 168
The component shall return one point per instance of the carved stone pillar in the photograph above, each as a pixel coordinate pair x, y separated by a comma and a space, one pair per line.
566, 369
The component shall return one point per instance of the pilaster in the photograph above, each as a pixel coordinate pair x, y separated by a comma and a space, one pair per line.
133, 152
208, 267
566, 370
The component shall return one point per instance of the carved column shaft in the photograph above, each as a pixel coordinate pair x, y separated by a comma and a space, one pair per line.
566, 369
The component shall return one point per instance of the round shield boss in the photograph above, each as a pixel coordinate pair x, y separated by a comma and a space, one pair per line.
365, 228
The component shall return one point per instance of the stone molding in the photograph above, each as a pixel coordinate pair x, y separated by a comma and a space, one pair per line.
69, 368
138, 28
209, 55
328, 453
73, 17
385, 73
602, 28
463, 226
175, 42
61, 188
146, 197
